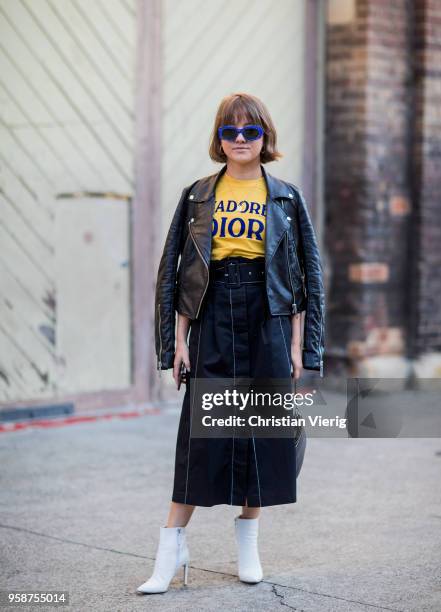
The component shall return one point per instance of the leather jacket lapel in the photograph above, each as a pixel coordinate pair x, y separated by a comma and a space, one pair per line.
201, 227
276, 226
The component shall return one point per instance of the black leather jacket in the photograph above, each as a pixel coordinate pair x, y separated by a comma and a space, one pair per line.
294, 275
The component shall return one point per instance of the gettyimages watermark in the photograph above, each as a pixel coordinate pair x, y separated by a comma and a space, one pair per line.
277, 408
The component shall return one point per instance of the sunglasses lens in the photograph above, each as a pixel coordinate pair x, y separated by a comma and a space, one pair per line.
229, 134
251, 133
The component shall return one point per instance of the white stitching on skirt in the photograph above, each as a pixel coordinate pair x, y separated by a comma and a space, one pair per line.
290, 365
232, 331
284, 341
257, 470
191, 410
234, 375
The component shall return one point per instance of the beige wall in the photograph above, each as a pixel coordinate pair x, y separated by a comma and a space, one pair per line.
67, 103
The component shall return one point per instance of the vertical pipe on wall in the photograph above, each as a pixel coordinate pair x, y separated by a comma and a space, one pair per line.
146, 204
312, 180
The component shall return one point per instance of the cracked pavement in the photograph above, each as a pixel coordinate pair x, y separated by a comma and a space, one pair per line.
81, 507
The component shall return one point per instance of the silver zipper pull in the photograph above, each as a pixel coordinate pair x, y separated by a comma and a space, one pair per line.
160, 340
294, 308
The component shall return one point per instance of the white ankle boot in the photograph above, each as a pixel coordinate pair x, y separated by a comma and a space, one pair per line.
171, 554
246, 531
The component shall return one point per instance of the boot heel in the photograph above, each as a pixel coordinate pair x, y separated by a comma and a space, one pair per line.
185, 573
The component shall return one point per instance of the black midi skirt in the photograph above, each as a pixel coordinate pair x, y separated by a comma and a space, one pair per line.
235, 336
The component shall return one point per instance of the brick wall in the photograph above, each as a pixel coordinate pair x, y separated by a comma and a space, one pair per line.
381, 164
425, 320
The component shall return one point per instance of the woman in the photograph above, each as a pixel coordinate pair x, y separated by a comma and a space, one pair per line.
249, 266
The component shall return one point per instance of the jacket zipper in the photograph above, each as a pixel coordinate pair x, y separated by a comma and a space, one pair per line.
205, 264
320, 345
160, 340
294, 306
301, 272
267, 263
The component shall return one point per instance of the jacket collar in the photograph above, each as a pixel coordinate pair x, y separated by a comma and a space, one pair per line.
204, 189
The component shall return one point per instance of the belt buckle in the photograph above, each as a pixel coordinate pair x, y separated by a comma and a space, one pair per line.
232, 274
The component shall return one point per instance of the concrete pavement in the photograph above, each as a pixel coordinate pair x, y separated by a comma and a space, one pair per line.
81, 507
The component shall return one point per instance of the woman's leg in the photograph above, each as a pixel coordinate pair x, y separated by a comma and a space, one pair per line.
250, 513
179, 514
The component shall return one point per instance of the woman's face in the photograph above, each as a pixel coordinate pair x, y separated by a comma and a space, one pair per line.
242, 151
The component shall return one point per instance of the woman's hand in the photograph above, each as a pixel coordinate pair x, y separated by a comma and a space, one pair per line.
181, 353
181, 357
297, 362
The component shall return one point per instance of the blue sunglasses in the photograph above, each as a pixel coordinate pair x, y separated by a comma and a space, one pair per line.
231, 132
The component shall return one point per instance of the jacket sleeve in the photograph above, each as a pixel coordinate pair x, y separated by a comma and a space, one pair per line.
165, 315
313, 339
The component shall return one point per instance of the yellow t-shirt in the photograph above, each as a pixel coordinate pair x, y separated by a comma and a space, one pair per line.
238, 226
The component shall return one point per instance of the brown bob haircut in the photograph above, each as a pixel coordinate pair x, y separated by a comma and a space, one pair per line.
242, 106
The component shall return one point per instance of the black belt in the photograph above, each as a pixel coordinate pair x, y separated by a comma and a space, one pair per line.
234, 273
